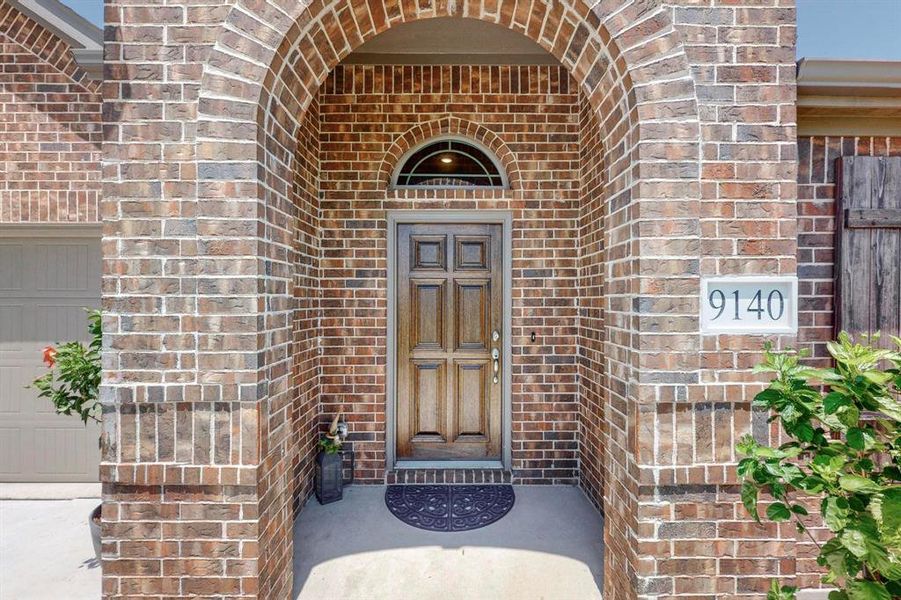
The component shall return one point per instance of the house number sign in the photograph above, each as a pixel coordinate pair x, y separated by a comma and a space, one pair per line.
753, 304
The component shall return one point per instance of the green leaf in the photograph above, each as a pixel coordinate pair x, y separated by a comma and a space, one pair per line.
855, 438
837, 558
867, 590
784, 592
835, 513
749, 493
766, 452
891, 509
804, 431
812, 484
746, 445
834, 401
767, 396
778, 512
890, 407
856, 483
799, 510
855, 541
848, 416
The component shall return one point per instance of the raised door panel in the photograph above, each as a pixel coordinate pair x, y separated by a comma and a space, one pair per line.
472, 313
472, 252
428, 252
471, 400
427, 298
429, 389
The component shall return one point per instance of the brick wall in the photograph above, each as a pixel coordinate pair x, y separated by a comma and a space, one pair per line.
50, 130
694, 110
816, 230
533, 113
305, 408
593, 417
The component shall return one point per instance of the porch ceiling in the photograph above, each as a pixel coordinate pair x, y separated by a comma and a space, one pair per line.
451, 41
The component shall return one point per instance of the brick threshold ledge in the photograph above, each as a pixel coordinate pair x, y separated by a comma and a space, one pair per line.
437, 476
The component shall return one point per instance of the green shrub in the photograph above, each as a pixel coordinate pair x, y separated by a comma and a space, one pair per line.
845, 449
72, 382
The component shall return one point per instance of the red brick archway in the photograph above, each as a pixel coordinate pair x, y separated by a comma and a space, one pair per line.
263, 73
209, 258
238, 257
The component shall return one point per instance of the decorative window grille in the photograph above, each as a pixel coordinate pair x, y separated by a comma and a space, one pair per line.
449, 163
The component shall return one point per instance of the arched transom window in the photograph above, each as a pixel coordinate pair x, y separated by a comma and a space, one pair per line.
449, 162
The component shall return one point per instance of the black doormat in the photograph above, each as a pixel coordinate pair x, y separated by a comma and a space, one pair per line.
449, 507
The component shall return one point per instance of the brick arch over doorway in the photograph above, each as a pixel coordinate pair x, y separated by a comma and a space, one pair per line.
293, 54
448, 126
208, 349
615, 83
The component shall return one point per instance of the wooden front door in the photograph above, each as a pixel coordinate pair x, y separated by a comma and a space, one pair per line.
449, 290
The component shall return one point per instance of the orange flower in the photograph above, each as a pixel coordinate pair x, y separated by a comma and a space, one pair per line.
49, 356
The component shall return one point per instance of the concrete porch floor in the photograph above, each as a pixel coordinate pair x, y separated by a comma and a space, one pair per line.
548, 547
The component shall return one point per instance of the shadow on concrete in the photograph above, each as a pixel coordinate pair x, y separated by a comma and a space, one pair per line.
549, 546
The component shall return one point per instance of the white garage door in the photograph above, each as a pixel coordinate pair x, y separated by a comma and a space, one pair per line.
47, 278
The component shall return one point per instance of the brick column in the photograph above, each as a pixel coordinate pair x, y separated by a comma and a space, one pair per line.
182, 406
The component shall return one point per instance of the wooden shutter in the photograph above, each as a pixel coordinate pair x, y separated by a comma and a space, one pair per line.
868, 246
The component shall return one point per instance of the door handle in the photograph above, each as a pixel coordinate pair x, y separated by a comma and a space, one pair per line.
496, 357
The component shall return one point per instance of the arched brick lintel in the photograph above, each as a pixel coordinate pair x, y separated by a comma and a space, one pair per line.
271, 58
448, 125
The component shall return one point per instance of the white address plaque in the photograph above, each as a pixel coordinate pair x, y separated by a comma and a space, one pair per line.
752, 304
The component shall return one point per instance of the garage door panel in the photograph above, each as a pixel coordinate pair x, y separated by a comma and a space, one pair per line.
60, 451
12, 382
28, 325
11, 330
11, 266
12, 451
47, 282
62, 267
59, 322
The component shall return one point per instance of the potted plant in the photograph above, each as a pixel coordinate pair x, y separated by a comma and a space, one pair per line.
329, 481
844, 427
71, 383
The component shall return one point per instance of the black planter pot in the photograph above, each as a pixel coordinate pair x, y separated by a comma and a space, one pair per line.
329, 477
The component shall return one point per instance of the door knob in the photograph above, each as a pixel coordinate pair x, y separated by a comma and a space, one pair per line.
496, 357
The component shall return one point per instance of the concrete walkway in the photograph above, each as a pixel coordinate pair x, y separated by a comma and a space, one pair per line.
45, 550
549, 547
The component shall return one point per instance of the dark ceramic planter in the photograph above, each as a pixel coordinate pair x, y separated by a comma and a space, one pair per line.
329, 477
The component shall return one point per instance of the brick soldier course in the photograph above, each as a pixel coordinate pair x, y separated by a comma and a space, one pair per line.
244, 272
